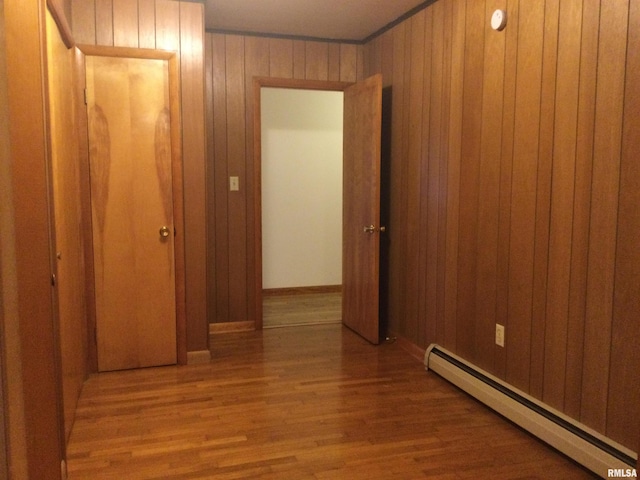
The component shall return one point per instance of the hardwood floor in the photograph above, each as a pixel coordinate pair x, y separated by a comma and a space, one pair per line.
314, 402
301, 309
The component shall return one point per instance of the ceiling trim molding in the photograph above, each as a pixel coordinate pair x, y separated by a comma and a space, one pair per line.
364, 41
398, 20
282, 36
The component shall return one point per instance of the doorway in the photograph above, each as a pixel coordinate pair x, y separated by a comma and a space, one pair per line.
301, 181
360, 195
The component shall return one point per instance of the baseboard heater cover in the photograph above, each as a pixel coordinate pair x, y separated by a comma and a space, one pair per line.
587, 447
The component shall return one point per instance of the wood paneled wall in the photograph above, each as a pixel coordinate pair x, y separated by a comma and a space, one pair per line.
69, 247
232, 63
175, 26
514, 196
36, 432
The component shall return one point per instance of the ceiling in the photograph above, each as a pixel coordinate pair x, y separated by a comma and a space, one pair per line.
351, 20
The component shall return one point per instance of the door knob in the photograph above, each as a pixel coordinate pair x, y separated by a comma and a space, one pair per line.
370, 229
164, 231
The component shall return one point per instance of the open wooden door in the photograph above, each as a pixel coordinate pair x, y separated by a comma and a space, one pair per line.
361, 207
132, 205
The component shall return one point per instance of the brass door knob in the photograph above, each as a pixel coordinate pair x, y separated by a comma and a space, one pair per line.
164, 231
371, 229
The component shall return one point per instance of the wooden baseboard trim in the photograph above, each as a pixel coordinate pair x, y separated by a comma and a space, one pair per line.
302, 290
227, 327
198, 357
408, 346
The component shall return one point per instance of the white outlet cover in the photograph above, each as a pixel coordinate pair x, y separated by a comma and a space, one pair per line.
499, 20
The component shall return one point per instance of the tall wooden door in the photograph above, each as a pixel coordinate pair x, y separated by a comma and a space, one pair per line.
361, 207
132, 211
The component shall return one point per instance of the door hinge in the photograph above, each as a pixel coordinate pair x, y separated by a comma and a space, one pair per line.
86, 101
53, 279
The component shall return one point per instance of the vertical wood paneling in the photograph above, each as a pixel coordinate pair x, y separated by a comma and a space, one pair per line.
561, 220
523, 197
147, 23
604, 211
193, 151
415, 37
625, 354
236, 158
440, 279
104, 22
210, 180
333, 73
431, 169
489, 189
256, 65
317, 61
168, 25
221, 174
402, 37
453, 174
83, 18
506, 183
469, 177
348, 63
125, 23
299, 59
359, 63
543, 196
232, 65
429, 327
395, 46
280, 58
581, 208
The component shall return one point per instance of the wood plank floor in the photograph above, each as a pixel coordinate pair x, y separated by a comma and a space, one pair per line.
301, 309
314, 402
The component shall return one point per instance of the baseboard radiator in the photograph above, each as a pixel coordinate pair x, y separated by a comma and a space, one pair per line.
587, 447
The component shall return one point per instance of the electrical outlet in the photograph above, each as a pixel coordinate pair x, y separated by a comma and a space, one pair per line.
499, 335
234, 184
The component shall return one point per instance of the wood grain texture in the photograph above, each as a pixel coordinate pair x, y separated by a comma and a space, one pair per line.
523, 196
167, 25
192, 100
561, 218
125, 23
543, 196
234, 62
361, 207
256, 410
625, 358
469, 181
134, 266
302, 308
532, 224
489, 192
604, 212
257, 65
69, 245
37, 429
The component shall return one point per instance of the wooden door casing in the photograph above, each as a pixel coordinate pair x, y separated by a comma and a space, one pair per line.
132, 198
361, 207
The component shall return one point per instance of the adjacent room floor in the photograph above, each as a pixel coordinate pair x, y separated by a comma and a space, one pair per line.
310, 402
301, 309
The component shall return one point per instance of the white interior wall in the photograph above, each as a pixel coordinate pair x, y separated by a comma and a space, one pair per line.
301, 187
